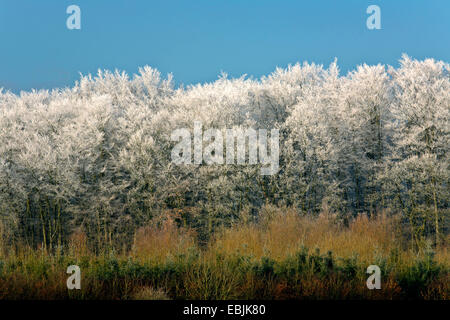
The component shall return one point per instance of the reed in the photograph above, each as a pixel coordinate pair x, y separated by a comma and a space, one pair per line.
283, 255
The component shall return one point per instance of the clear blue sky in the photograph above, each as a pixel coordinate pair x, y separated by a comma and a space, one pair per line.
197, 39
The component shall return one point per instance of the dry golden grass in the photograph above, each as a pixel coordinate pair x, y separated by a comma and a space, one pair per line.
78, 244
148, 293
157, 242
284, 231
442, 253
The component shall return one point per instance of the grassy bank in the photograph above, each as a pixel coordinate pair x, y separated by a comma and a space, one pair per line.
282, 256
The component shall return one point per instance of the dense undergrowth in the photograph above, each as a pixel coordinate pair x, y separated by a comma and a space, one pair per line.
282, 256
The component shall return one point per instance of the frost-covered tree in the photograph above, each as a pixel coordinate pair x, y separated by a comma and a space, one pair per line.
419, 168
98, 156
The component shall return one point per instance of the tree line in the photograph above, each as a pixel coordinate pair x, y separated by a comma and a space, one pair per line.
97, 157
